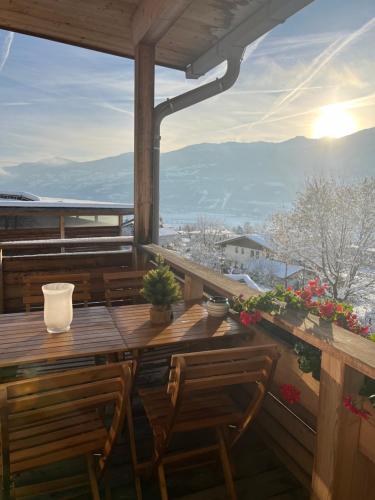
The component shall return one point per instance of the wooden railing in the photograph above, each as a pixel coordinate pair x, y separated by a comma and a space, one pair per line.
93, 255
318, 433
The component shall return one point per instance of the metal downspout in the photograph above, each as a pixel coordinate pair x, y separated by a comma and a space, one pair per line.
181, 102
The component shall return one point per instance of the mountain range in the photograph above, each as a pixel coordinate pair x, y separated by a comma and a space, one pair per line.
243, 181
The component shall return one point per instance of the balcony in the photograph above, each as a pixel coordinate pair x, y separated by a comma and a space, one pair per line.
314, 447
314, 440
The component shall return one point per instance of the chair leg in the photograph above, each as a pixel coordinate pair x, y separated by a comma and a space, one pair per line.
162, 482
107, 487
133, 450
92, 476
226, 465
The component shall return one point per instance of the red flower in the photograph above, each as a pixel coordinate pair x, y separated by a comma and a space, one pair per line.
316, 288
289, 289
245, 318
339, 308
327, 310
250, 318
351, 406
290, 393
365, 330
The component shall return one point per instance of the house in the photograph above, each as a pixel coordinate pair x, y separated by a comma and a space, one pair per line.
242, 249
277, 272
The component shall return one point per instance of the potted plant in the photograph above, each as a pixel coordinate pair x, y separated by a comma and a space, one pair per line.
161, 289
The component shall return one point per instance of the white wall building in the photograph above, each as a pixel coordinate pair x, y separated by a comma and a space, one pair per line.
241, 250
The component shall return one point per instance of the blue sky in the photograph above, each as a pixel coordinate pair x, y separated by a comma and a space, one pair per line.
62, 101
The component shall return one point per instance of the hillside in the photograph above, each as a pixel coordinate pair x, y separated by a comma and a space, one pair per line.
239, 180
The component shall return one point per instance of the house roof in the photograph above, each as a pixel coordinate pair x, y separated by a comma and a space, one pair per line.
21, 203
191, 35
275, 268
245, 278
245, 240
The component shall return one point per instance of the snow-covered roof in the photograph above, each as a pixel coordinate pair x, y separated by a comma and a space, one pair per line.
245, 278
274, 267
259, 239
20, 201
167, 232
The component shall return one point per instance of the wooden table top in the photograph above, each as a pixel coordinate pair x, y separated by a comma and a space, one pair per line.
190, 322
24, 337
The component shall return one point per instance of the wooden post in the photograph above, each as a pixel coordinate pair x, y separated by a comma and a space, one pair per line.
143, 143
1, 282
337, 432
62, 227
193, 289
62, 231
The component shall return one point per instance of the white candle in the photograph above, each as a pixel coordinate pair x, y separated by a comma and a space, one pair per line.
58, 306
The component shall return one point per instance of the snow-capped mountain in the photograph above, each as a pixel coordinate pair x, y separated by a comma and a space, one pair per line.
245, 180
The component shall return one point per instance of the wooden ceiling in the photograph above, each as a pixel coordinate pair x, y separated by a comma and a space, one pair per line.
182, 30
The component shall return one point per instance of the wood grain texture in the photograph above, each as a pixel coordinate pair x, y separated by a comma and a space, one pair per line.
144, 83
337, 432
190, 323
56, 417
184, 29
24, 338
353, 350
153, 18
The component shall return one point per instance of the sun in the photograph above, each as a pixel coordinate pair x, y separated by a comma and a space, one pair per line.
334, 121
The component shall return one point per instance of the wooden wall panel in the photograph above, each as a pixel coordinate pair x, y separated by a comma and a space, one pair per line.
15, 268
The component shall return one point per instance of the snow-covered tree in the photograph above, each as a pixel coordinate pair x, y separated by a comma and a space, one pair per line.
331, 230
201, 247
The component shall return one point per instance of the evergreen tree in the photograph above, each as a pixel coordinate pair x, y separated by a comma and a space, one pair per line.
160, 286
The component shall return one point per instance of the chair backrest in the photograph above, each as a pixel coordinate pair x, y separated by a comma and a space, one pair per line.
250, 368
123, 285
32, 287
24, 403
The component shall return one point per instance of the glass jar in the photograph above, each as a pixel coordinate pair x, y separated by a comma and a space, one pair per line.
217, 306
58, 306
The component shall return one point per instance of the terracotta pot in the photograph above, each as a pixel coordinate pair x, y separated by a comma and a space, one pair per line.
160, 315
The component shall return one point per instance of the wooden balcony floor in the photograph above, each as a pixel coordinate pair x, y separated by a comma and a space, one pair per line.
259, 473
259, 476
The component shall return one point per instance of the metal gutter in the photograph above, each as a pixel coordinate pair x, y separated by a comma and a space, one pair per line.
183, 101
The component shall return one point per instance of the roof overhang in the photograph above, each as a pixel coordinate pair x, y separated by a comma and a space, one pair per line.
190, 35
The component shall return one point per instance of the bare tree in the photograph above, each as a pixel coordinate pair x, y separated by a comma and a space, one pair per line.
331, 230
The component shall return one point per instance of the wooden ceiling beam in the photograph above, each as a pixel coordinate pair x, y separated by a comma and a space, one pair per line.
153, 18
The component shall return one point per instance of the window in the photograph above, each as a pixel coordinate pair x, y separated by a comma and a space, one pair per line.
242, 251
236, 249
251, 253
257, 254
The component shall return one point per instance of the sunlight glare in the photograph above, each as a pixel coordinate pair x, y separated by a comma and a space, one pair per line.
334, 121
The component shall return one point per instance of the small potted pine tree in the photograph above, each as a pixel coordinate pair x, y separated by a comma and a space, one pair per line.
161, 289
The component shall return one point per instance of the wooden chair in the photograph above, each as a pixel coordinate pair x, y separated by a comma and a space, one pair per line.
221, 390
123, 286
32, 287
58, 417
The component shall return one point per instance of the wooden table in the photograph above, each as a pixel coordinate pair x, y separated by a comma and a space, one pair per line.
24, 338
190, 323
100, 331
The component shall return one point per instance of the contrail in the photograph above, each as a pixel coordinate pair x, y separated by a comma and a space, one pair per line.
4, 53
319, 63
359, 102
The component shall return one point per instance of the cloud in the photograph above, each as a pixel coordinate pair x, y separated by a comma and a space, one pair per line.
319, 63
5, 50
110, 106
